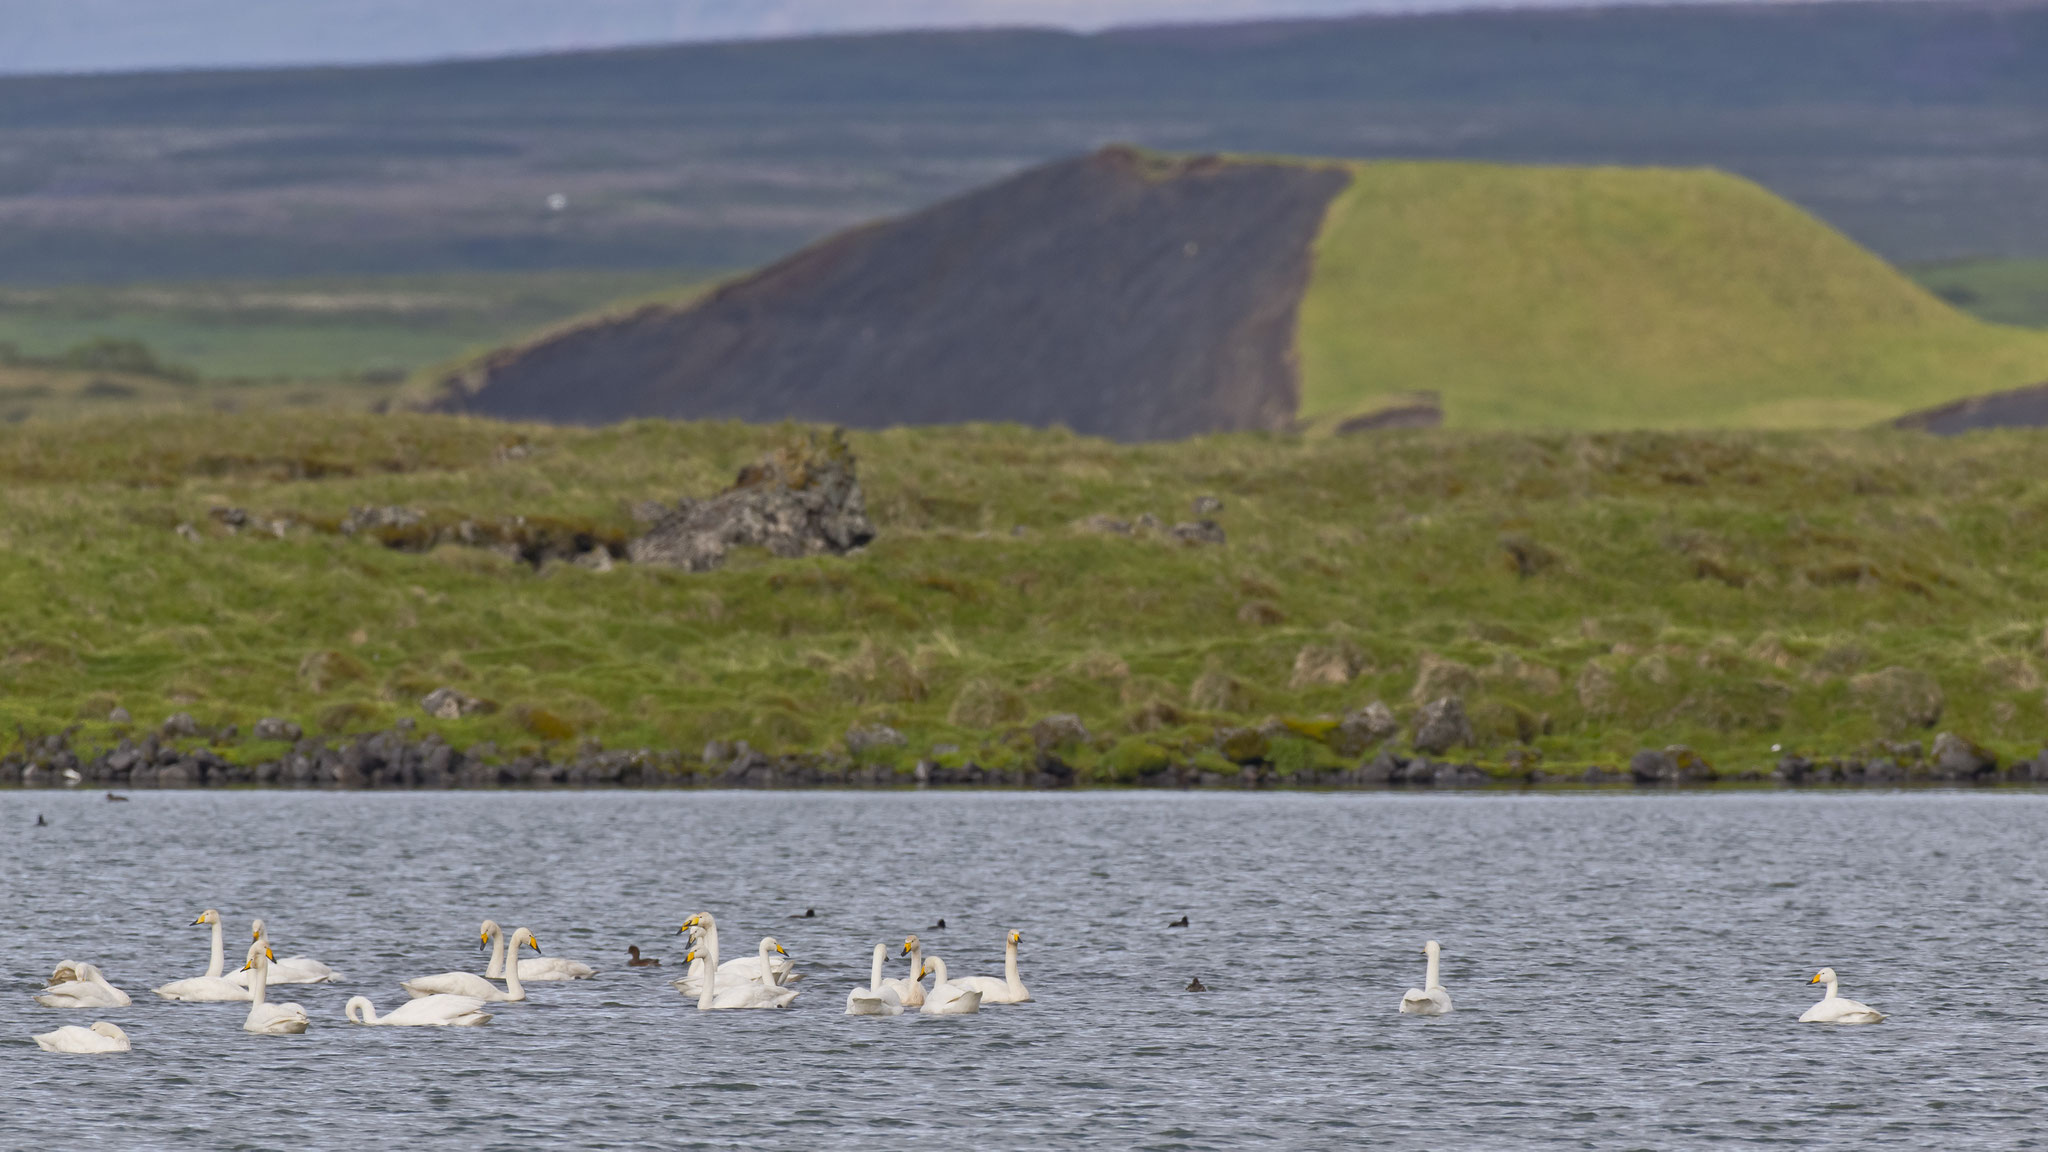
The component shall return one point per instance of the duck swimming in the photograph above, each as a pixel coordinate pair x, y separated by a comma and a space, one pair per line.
639, 961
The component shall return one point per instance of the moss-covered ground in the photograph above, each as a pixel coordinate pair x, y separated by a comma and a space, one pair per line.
1587, 594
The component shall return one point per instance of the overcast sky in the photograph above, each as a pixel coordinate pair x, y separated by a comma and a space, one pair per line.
110, 35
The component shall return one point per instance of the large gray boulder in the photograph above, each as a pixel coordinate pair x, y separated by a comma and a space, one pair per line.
1442, 725
801, 500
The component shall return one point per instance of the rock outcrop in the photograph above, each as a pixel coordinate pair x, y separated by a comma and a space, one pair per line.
801, 500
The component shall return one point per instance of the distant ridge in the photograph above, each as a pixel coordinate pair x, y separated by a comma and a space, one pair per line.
1119, 294
1140, 296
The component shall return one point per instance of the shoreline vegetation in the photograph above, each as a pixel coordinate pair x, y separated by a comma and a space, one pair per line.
332, 600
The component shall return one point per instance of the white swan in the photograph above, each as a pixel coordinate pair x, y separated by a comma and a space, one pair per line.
84, 988
1835, 1009
910, 989
427, 1012
1008, 990
740, 993
537, 968
1430, 999
472, 985
874, 1000
291, 969
101, 1037
211, 988
946, 998
703, 929
264, 1017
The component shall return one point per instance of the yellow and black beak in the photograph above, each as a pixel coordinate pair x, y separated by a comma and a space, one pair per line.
198, 922
535, 943
781, 949
690, 957
1815, 980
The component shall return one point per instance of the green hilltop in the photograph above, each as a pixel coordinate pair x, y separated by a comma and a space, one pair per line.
1548, 297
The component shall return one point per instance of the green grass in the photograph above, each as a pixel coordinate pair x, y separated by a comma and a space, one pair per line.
1623, 298
2001, 291
1589, 593
374, 328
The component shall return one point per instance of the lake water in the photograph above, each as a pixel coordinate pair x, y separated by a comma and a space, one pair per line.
1627, 969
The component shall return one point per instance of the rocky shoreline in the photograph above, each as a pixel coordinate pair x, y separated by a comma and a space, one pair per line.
402, 759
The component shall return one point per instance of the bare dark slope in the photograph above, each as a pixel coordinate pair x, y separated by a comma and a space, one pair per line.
1118, 294
2015, 408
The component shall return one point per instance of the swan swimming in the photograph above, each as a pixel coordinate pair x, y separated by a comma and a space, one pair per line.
81, 986
1009, 989
703, 928
910, 989
291, 969
1430, 999
946, 998
211, 988
101, 1037
740, 993
875, 999
537, 968
264, 1017
472, 985
1834, 1008
439, 1011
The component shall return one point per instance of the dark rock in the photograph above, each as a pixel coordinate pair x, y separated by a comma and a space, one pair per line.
1147, 522
1362, 728
272, 728
1058, 732
860, 738
179, 725
802, 500
1794, 769
1676, 764
1883, 770
1199, 532
1442, 725
1958, 758
449, 704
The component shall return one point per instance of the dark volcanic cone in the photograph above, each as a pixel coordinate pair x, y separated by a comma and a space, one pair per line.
1120, 294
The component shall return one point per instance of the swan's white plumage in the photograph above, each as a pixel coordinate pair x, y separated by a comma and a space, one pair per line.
716, 994
211, 987
425, 1012
101, 1037
946, 998
875, 999
86, 988
1430, 999
1009, 989
472, 985
910, 989
537, 969
1835, 1008
289, 970
264, 1017
703, 929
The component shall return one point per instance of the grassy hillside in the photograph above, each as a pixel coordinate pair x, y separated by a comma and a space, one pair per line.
1588, 594
1609, 298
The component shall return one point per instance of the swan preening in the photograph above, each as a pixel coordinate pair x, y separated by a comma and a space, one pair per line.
715, 993
427, 1012
875, 999
778, 970
1430, 999
1836, 1009
264, 1017
474, 986
1009, 989
946, 998
101, 1037
537, 968
79, 985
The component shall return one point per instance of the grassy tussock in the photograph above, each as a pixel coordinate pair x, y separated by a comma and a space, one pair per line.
1587, 594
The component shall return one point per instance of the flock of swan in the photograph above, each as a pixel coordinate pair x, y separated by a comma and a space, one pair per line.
767, 979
